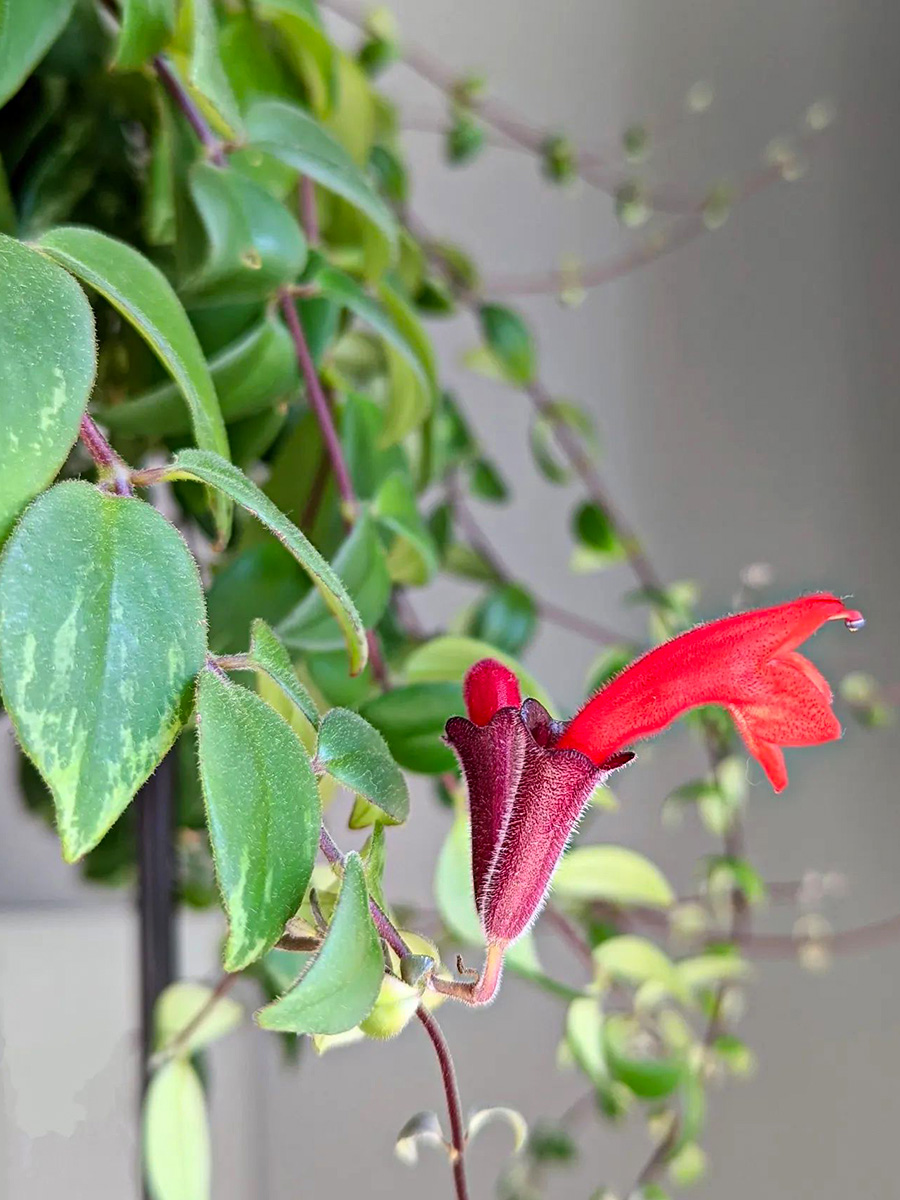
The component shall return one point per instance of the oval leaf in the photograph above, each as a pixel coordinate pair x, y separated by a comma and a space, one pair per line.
263, 812
254, 245
225, 477
637, 960
144, 296
356, 755
102, 630
255, 372
341, 984
177, 1159
296, 138
47, 364
614, 874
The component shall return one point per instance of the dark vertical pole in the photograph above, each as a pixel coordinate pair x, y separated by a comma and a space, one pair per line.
156, 895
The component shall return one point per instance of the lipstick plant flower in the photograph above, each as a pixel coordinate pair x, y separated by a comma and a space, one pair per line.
529, 777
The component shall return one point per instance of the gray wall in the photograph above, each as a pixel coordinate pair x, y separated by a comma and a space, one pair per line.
745, 387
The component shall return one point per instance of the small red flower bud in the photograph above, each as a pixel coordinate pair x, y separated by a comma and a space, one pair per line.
488, 687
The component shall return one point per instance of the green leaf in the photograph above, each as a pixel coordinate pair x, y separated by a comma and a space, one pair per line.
306, 46
614, 874
356, 755
508, 337
208, 468
710, 970
597, 540
263, 813
269, 655
146, 27
102, 630
448, 658
636, 960
344, 290
411, 719
650, 1070
47, 364
263, 580
177, 1158
28, 28
144, 296
361, 565
206, 74
254, 245
486, 482
412, 558
180, 1005
510, 1116
465, 138
584, 1036
294, 137
341, 985
507, 618
549, 458
250, 375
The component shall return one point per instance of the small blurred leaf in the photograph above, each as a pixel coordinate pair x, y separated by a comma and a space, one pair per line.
545, 449
636, 960
507, 618
636, 1060
465, 139
509, 338
180, 1004
597, 540
422, 1129
486, 482
510, 1116
448, 658
177, 1160
614, 874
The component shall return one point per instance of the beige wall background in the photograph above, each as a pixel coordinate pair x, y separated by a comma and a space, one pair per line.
746, 390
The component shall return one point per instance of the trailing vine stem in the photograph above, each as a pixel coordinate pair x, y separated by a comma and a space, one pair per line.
454, 1105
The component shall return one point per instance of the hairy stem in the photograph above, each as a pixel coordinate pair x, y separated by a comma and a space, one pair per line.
319, 404
182, 97
383, 924
107, 461
454, 1105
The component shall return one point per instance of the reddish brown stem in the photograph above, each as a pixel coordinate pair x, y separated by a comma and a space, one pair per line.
179, 93
454, 1105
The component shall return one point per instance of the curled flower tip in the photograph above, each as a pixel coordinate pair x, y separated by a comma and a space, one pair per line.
488, 687
855, 621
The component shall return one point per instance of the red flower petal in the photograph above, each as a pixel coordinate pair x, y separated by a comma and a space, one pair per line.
488, 687
746, 663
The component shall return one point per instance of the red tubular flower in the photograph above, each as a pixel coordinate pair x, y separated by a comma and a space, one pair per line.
747, 663
529, 777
